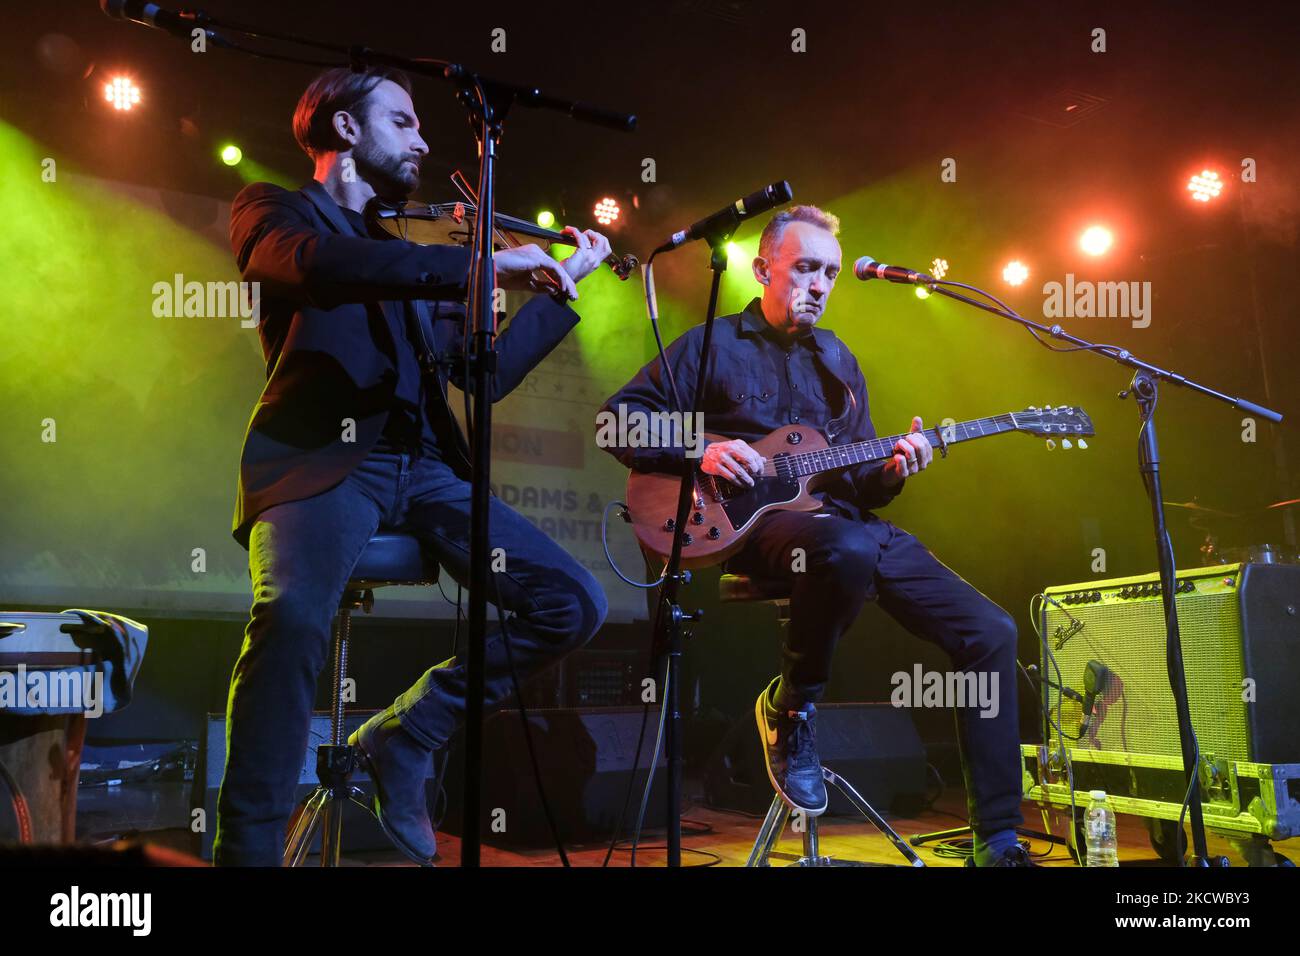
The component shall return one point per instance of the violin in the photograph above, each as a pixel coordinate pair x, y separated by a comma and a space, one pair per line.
452, 223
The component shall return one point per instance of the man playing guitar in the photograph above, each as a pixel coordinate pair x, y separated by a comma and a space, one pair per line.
772, 367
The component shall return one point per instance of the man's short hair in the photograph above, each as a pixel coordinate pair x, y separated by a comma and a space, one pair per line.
776, 225
336, 89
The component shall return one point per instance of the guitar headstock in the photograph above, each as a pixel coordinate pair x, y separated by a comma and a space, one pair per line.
1064, 422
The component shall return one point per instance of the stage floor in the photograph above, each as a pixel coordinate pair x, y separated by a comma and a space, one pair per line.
154, 812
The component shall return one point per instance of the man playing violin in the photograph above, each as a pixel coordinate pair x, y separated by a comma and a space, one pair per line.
772, 366
353, 434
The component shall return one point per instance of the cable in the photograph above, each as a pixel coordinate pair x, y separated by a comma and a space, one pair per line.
1047, 713
1112, 350
604, 542
652, 310
654, 761
528, 731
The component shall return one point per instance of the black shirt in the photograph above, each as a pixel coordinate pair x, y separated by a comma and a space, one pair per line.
757, 383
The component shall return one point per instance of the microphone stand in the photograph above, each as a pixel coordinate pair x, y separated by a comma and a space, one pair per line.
486, 102
670, 635
1145, 389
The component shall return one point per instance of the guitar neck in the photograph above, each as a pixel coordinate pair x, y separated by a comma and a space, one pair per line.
878, 449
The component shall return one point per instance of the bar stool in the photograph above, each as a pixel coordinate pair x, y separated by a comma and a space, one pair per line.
388, 559
743, 588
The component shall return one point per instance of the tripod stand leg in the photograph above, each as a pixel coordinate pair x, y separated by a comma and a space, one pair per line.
773, 824
331, 837
868, 811
304, 827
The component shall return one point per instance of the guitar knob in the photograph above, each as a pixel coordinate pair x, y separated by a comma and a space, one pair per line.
714, 534
697, 518
686, 539
670, 524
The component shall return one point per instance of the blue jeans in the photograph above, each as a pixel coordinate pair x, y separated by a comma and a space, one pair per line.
301, 554
848, 561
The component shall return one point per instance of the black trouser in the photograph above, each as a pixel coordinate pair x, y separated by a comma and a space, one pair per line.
844, 563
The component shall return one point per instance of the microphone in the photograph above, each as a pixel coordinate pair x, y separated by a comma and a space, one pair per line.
1069, 692
151, 15
868, 268
726, 219
1095, 679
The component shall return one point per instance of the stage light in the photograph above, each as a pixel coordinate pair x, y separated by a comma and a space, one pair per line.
922, 292
606, 211
1205, 185
231, 154
1096, 240
546, 219
122, 93
938, 269
1015, 272
734, 251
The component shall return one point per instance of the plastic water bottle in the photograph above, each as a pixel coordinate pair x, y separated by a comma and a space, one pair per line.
1100, 831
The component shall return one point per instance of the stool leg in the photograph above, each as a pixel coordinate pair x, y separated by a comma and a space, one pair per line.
323, 809
304, 827
340, 675
769, 833
811, 845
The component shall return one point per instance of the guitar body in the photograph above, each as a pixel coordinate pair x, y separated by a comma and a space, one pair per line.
795, 457
730, 509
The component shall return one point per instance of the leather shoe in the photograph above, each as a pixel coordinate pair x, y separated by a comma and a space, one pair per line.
399, 766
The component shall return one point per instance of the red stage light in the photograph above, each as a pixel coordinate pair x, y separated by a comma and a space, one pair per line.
1015, 273
1096, 240
606, 211
122, 93
1205, 185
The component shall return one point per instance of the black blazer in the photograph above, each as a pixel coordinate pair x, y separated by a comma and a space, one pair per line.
333, 335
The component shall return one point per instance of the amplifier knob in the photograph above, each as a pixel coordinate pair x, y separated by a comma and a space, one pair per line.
1096, 595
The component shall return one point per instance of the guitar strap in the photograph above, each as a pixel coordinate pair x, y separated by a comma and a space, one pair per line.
830, 357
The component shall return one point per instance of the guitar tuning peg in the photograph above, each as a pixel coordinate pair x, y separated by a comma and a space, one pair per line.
1051, 444
1082, 443
1065, 443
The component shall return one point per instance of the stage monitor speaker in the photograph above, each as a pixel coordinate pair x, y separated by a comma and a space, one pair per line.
1240, 634
585, 756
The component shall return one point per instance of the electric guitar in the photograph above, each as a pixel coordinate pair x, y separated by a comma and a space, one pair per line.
794, 459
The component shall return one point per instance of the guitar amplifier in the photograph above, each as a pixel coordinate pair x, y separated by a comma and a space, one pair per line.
1240, 633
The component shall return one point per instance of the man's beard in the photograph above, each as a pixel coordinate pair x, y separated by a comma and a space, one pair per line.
386, 172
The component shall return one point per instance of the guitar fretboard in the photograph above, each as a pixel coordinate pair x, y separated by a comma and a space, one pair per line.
878, 449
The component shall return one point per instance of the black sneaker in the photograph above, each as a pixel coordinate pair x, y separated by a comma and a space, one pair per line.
1016, 856
790, 742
